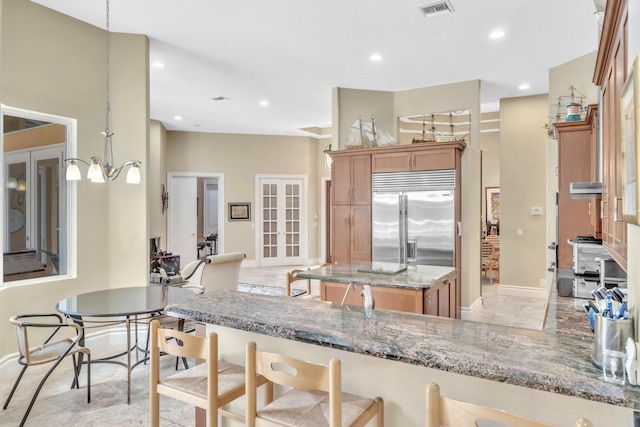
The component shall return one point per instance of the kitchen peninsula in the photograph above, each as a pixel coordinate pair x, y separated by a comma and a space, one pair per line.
424, 289
547, 375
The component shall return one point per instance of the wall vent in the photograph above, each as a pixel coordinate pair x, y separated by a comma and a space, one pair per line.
436, 8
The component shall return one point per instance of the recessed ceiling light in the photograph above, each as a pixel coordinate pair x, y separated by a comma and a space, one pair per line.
375, 57
497, 34
264, 103
158, 64
524, 86
177, 117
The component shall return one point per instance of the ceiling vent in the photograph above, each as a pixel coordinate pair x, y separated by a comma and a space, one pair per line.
436, 8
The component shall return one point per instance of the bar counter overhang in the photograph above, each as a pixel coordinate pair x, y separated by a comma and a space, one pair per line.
546, 375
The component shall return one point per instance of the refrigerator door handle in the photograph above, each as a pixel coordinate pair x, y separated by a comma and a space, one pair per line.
459, 228
402, 205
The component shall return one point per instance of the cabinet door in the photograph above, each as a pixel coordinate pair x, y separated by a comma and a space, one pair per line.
341, 236
361, 233
361, 179
443, 299
434, 160
431, 301
391, 162
341, 180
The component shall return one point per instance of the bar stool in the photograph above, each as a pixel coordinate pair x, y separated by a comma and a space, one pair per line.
209, 385
292, 276
447, 412
314, 387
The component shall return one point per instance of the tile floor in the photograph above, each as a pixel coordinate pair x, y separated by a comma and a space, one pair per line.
57, 405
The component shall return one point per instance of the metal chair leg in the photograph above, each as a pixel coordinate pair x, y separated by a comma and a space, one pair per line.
15, 386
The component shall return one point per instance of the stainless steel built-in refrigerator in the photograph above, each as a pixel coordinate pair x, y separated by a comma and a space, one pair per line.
413, 217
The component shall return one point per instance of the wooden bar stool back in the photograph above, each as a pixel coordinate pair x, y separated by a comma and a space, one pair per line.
314, 387
209, 385
447, 412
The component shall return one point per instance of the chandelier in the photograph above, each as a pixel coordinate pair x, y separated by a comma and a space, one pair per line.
101, 170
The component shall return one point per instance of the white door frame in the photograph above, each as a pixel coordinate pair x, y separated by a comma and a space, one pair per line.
304, 223
206, 175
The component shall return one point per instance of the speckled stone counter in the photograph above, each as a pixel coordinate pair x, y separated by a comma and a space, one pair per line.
414, 277
556, 359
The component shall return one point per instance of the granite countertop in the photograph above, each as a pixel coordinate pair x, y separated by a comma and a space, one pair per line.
556, 359
381, 274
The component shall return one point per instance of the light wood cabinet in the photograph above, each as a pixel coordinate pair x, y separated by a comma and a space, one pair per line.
610, 74
415, 158
574, 165
351, 207
437, 300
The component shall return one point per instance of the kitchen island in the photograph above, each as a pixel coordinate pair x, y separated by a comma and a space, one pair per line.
424, 289
546, 375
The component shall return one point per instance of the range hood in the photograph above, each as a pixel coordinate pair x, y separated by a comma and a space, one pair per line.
585, 190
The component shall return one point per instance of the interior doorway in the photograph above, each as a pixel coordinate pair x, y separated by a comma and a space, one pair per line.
196, 203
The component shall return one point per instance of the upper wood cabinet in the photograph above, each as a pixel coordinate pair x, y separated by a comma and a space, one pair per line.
351, 179
350, 206
413, 159
610, 74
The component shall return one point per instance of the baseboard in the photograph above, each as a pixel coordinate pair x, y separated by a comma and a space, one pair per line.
522, 291
467, 313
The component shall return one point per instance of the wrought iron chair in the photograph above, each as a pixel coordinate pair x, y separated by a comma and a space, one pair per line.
49, 351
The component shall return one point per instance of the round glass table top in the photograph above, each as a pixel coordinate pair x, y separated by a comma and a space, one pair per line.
123, 301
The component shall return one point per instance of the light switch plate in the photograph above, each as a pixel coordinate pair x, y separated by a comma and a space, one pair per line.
536, 211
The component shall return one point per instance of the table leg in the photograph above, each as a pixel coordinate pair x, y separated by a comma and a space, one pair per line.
78, 321
128, 326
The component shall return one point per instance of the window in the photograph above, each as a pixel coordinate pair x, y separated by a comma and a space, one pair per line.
36, 227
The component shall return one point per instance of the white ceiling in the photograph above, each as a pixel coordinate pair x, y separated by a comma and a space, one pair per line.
293, 52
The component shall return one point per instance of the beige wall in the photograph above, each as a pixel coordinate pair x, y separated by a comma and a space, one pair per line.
66, 78
156, 178
522, 186
240, 158
490, 146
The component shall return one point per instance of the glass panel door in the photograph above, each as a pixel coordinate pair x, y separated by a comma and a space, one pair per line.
281, 222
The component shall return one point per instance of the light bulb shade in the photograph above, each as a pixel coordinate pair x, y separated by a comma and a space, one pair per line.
73, 172
133, 176
95, 172
12, 183
22, 185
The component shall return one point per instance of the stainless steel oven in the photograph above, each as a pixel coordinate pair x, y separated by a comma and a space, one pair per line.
587, 252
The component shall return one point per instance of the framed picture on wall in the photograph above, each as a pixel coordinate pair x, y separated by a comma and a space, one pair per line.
492, 195
240, 211
630, 134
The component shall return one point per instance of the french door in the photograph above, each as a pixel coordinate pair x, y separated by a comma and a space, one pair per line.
282, 222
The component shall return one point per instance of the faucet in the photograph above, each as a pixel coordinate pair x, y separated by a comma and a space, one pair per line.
369, 301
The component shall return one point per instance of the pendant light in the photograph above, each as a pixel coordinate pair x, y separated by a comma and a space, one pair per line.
101, 170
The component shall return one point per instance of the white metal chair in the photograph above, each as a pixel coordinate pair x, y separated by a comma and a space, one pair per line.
314, 388
48, 352
447, 412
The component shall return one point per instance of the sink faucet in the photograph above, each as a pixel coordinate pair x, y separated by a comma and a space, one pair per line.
369, 301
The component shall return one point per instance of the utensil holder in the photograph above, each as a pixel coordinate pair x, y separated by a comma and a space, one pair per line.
610, 334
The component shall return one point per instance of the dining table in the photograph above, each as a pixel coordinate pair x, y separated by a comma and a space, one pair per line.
125, 305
